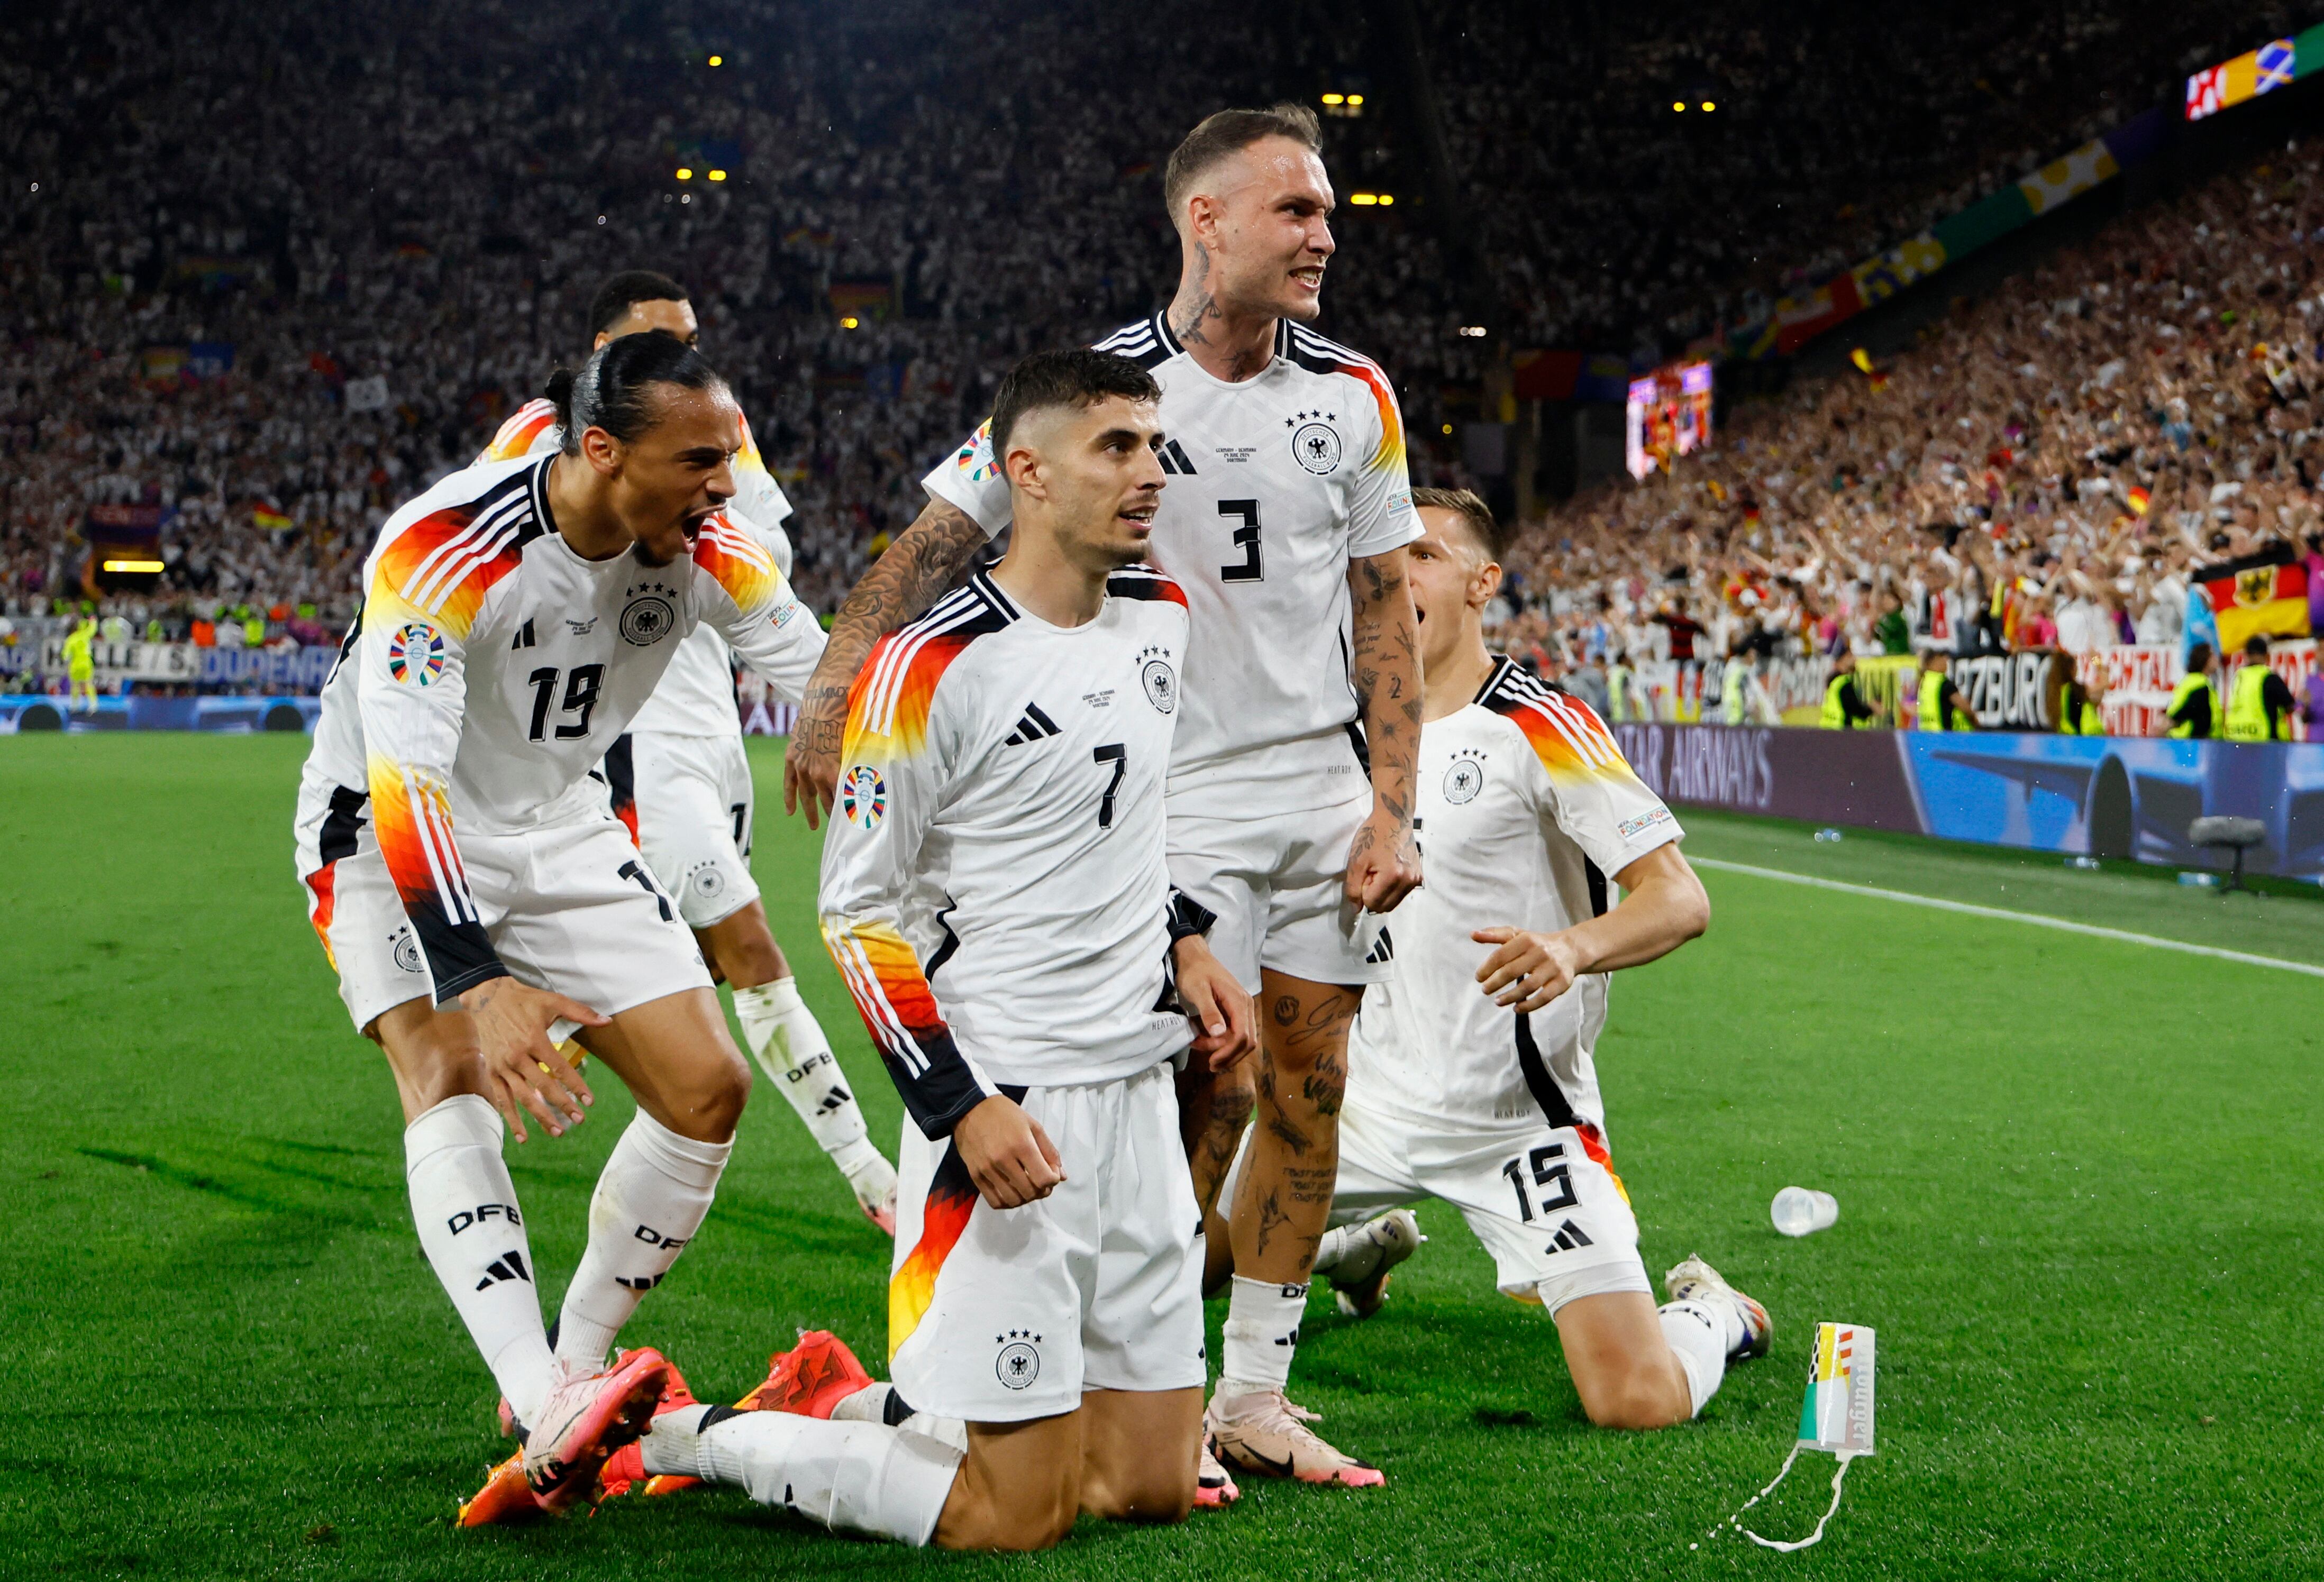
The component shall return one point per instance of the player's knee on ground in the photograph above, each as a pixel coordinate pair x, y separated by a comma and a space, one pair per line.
1149, 1492
1017, 1491
1636, 1401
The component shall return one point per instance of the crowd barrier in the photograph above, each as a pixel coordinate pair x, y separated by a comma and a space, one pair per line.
2078, 795
278, 669
33, 711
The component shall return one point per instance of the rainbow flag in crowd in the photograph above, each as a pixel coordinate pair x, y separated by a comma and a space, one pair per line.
2260, 595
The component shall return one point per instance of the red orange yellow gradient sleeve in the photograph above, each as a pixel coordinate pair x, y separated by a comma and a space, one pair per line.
746, 598
1593, 795
891, 780
427, 583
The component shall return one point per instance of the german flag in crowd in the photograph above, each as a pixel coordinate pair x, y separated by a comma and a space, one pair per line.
2263, 594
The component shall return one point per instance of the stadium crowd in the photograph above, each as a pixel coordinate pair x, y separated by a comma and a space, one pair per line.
274, 282
2044, 469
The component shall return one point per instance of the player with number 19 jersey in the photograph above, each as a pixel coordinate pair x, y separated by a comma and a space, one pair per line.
1277, 483
445, 811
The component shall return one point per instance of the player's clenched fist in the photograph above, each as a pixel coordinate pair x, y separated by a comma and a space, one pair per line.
1529, 970
1009, 1157
1383, 862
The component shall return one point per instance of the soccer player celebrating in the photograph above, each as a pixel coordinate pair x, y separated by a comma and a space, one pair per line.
474, 894
996, 894
1472, 1075
1285, 523
680, 780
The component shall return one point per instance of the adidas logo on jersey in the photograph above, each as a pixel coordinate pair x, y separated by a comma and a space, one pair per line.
1568, 1238
1175, 459
1032, 727
1383, 951
508, 1266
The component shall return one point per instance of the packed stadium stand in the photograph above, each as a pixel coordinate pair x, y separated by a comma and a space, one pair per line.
265, 283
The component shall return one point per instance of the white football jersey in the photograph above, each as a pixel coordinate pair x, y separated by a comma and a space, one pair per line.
993, 887
1525, 807
696, 694
492, 667
1276, 484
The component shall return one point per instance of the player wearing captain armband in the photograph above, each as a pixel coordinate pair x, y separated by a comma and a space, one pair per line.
679, 779
995, 893
1470, 1072
473, 892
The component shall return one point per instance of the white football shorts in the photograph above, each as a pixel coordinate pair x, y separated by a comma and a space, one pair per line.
1544, 1200
1003, 1315
694, 804
1276, 881
570, 907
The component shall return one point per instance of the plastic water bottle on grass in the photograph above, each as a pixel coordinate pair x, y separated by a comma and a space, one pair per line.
1798, 1210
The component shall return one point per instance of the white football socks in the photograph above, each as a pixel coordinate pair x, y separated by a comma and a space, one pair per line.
849, 1477
880, 1402
1701, 1338
790, 1047
650, 1201
464, 1206
1261, 1335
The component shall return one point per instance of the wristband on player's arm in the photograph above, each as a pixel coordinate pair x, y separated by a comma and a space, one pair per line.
1186, 917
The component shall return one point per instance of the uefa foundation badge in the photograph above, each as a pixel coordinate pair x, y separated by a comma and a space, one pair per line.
864, 797
415, 653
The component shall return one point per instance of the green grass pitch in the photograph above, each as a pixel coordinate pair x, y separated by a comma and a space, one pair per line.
2079, 1183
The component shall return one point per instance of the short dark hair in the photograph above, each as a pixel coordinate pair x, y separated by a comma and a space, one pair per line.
2198, 656
2256, 646
1472, 511
1230, 131
1075, 378
625, 291
612, 390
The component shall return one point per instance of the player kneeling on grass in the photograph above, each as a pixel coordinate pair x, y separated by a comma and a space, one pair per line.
473, 891
995, 895
1469, 1074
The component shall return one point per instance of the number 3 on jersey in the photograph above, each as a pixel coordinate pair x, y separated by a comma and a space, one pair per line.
1253, 568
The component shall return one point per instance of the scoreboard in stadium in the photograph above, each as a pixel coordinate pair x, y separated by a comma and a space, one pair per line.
1668, 415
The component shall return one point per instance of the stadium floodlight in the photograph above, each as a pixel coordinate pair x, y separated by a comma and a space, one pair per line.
1356, 100
1386, 198
1708, 106
718, 59
685, 174
134, 565
718, 175
1680, 106
1335, 99
1474, 331
1363, 199
849, 322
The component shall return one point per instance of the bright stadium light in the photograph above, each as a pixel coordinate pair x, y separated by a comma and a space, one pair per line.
849, 322
1363, 199
1356, 100
718, 175
1680, 106
685, 173
1474, 332
1335, 99
1708, 106
1448, 428
135, 565
1386, 198
718, 59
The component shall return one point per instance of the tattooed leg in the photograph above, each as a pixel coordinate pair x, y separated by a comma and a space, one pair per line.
1214, 1108
1284, 1197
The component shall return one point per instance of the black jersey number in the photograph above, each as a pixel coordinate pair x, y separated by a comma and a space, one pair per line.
581, 689
1245, 538
1113, 753
1545, 1175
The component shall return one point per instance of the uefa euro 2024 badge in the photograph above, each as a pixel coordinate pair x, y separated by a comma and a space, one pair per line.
864, 797
415, 654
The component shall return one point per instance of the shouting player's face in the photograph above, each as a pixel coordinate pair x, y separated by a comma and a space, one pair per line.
663, 485
1451, 576
1092, 477
1267, 229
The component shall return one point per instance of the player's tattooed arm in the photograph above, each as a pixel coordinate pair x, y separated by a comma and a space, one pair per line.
918, 569
1383, 861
